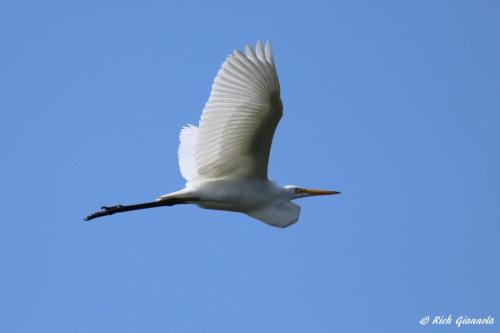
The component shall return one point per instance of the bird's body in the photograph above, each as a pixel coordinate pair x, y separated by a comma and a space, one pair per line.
256, 198
225, 159
230, 195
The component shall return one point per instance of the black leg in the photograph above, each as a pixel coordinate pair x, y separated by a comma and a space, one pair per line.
126, 208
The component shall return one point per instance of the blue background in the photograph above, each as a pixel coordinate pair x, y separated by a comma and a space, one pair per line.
394, 103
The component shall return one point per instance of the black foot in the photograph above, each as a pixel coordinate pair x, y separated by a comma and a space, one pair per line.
105, 211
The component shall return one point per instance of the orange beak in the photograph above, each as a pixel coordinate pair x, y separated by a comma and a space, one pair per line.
319, 192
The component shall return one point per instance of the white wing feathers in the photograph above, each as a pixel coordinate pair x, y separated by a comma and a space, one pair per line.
187, 163
238, 122
280, 215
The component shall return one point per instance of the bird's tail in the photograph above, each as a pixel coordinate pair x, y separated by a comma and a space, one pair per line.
181, 194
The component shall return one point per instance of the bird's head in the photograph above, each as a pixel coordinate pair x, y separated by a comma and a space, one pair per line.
296, 192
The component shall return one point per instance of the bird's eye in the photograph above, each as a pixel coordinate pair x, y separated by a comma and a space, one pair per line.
297, 190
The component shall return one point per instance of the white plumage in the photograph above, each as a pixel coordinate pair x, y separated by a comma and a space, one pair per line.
186, 153
225, 159
238, 122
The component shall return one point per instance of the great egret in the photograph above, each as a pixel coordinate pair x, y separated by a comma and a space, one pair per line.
224, 160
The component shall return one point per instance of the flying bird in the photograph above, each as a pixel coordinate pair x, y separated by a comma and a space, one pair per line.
224, 159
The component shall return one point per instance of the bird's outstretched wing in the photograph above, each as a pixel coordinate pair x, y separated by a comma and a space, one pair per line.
238, 122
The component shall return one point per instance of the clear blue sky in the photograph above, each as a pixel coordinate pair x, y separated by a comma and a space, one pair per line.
394, 103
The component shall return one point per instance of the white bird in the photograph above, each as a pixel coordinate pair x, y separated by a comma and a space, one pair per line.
224, 160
